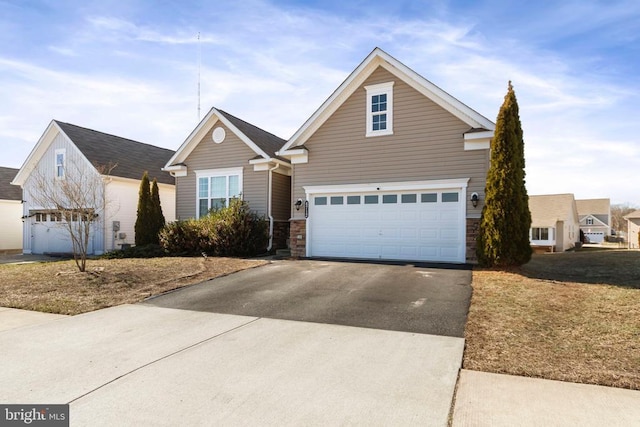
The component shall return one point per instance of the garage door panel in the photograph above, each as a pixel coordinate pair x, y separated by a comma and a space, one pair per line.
427, 234
449, 252
408, 228
409, 233
389, 233
449, 234
429, 252
389, 215
408, 217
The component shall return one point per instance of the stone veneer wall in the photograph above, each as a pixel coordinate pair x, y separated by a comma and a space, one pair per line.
298, 239
473, 225
280, 234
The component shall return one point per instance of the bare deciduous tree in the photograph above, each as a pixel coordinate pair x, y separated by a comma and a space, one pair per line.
78, 200
618, 223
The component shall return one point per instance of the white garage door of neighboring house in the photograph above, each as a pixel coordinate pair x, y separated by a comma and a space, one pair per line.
50, 235
595, 237
413, 224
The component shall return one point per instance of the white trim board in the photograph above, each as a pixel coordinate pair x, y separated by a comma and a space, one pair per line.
441, 184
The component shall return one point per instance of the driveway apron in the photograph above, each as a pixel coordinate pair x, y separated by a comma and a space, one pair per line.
408, 298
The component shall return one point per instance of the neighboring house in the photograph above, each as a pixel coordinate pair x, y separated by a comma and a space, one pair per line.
386, 168
554, 222
633, 228
595, 218
10, 212
66, 150
225, 158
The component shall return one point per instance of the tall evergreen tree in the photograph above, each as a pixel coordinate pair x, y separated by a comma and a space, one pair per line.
143, 227
503, 238
157, 218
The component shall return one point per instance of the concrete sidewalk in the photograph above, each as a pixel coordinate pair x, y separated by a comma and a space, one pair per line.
141, 365
485, 399
11, 318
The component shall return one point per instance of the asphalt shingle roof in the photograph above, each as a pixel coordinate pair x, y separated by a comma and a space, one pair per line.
593, 206
8, 191
268, 142
547, 209
132, 158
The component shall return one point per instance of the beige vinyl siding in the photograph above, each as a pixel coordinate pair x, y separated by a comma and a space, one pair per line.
232, 152
427, 144
281, 198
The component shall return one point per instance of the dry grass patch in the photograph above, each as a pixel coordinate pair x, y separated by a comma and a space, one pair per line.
58, 287
558, 329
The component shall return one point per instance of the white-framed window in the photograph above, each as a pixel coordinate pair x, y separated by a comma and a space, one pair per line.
379, 109
541, 233
215, 188
589, 221
60, 162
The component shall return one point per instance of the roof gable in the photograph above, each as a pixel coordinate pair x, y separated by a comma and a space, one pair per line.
129, 158
379, 58
8, 191
263, 143
598, 221
548, 209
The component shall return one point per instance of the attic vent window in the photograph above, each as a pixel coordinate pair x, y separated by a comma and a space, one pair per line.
218, 135
379, 109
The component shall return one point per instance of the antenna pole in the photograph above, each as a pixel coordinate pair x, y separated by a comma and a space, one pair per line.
199, 64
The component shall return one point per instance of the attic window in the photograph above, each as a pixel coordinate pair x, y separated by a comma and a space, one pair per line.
60, 162
379, 109
589, 221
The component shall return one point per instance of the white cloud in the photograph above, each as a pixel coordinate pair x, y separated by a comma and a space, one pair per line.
274, 65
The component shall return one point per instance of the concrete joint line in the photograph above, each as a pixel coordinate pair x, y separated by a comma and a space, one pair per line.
162, 358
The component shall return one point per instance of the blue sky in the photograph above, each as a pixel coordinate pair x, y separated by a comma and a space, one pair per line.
130, 68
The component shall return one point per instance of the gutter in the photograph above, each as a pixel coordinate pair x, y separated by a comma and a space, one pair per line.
270, 205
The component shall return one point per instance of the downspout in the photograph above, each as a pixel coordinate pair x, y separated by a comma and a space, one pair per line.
270, 205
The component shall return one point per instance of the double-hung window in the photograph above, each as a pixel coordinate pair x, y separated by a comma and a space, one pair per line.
379, 109
216, 188
540, 233
60, 162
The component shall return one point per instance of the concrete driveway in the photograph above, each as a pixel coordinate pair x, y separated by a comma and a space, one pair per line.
137, 365
406, 298
234, 354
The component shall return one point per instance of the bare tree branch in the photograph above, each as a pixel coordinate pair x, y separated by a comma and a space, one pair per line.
77, 200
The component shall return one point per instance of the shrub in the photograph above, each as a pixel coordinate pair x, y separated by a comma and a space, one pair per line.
228, 231
181, 238
237, 231
144, 251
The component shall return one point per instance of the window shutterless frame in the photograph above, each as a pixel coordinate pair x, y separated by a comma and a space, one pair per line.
216, 188
379, 109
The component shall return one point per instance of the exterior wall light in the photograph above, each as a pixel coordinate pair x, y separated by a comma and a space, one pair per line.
474, 199
298, 204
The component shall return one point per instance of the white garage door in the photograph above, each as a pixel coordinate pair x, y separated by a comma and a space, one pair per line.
50, 235
426, 225
595, 237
